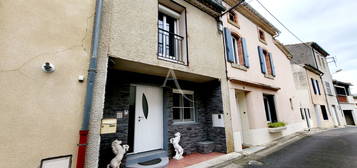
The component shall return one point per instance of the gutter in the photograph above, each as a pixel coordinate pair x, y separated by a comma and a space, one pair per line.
215, 4
82, 146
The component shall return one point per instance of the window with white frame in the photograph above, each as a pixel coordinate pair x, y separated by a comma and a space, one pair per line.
328, 88
269, 105
266, 62
315, 86
238, 50
170, 36
183, 106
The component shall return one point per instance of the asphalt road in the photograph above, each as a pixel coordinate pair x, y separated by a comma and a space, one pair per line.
335, 148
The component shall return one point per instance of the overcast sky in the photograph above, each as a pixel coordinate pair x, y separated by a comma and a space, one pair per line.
330, 23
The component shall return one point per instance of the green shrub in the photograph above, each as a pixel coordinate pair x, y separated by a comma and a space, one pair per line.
276, 124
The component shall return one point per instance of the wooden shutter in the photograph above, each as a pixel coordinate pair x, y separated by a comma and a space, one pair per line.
272, 65
262, 60
229, 45
245, 52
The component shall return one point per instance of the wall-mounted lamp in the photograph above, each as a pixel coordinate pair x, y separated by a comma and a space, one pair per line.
337, 71
220, 25
48, 67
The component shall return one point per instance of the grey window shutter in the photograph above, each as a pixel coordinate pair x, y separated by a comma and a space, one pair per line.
245, 53
272, 64
262, 60
229, 45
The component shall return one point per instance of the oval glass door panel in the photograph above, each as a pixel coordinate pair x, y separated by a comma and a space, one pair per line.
145, 106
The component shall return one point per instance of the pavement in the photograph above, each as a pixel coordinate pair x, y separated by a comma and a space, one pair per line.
334, 148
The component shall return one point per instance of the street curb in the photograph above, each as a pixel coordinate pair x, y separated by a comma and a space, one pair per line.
217, 161
258, 151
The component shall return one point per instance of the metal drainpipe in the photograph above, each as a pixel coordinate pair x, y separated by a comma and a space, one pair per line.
82, 146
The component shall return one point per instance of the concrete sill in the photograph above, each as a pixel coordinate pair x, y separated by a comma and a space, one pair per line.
237, 66
263, 41
269, 76
233, 23
276, 130
186, 123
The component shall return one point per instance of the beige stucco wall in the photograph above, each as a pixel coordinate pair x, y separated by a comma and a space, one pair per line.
316, 98
283, 80
303, 89
319, 100
134, 36
41, 113
258, 132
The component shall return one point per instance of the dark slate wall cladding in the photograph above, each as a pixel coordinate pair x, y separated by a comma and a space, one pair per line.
215, 106
208, 101
190, 133
116, 99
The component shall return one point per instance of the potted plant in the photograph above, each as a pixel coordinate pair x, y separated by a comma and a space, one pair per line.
276, 127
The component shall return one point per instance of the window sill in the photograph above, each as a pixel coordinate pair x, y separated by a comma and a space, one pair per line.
233, 23
269, 76
238, 66
263, 41
185, 123
160, 57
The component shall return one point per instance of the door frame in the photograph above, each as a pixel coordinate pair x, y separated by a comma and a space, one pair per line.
165, 115
244, 120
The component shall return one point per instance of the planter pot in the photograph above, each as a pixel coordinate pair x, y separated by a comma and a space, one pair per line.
276, 130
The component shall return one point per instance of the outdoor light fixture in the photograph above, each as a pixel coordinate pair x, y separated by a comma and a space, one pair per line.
220, 25
339, 70
48, 67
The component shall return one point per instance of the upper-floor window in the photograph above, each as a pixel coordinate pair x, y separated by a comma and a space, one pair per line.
341, 91
266, 62
315, 86
261, 36
328, 88
323, 62
236, 49
233, 18
171, 43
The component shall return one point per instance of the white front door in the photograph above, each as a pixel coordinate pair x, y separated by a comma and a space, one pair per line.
148, 118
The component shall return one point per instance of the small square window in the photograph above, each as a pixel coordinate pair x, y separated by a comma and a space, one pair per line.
233, 17
261, 35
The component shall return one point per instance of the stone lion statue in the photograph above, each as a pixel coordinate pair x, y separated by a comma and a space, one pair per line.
119, 150
178, 149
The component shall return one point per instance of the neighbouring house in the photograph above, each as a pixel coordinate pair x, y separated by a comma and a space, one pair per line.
346, 101
160, 71
311, 98
41, 105
315, 56
261, 84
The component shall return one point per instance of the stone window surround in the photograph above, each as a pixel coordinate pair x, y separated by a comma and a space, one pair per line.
266, 56
235, 21
261, 34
